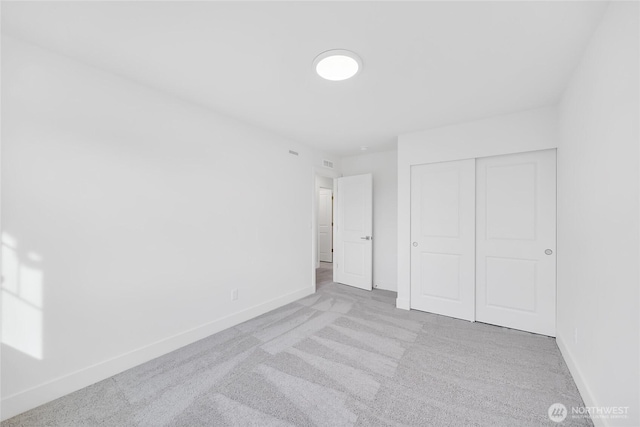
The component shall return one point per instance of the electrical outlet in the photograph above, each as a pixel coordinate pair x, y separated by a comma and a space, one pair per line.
575, 336
234, 295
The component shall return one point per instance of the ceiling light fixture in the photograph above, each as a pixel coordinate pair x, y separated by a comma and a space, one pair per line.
337, 64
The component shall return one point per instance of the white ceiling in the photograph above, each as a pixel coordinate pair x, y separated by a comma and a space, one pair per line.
426, 64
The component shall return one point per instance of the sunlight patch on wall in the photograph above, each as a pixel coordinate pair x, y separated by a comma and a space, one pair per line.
22, 299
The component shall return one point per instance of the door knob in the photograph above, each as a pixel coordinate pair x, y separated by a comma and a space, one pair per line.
548, 251
366, 238
415, 243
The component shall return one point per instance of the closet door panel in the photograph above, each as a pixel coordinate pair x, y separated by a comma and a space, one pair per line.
442, 235
515, 241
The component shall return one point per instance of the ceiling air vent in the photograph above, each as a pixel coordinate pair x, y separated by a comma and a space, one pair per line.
327, 164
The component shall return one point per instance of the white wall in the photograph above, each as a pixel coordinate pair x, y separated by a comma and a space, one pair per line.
383, 167
131, 216
598, 192
324, 182
514, 133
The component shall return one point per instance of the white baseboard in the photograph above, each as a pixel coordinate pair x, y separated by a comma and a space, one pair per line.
403, 303
51, 390
384, 287
583, 387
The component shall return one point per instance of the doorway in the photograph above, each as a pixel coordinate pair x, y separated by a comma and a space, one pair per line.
323, 230
325, 225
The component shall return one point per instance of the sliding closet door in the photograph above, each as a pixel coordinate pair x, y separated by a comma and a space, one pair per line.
515, 242
442, 235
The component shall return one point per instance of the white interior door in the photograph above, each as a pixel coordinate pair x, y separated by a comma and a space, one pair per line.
443, 238
353, 239
325, 225
516, 239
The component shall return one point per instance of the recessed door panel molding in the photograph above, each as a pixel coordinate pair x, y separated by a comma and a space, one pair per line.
501, 273
440, 199
353, 231
440, 276
511, 201
355, 254
515, 241
442, 235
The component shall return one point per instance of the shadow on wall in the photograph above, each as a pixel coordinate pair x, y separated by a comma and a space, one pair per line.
22, 298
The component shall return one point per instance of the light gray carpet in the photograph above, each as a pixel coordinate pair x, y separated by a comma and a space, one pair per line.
341, 357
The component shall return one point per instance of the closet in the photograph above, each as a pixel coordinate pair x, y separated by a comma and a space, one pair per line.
483, 236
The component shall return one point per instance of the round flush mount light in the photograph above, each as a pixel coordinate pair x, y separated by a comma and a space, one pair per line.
337, 64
